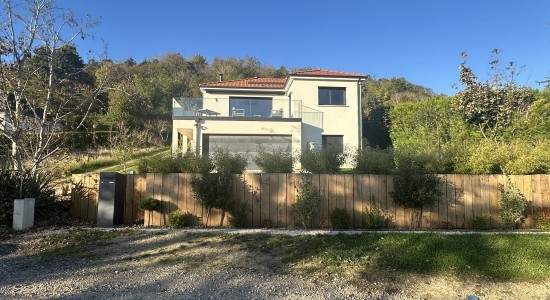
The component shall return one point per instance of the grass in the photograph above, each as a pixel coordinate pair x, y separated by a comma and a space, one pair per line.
111, 163
500, 257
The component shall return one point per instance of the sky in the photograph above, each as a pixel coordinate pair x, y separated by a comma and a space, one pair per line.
420, 40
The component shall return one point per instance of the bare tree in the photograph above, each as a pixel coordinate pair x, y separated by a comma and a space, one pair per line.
37, 128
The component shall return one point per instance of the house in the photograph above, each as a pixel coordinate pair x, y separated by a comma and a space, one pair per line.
30, 119
308, 109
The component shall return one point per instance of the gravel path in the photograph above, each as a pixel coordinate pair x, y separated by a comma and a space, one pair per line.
197, 264
140, 266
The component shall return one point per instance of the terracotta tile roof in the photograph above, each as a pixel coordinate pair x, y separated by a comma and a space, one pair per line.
325, 73
254, 83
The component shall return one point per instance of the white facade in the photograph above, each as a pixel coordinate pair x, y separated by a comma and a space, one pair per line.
290, 113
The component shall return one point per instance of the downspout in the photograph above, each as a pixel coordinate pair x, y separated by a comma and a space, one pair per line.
360, 114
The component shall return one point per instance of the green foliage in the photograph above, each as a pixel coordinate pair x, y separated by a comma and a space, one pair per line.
215, 190
179, 219
150, 204
518, 157
14, 185
180, 163
413, 188
481, 222
239, 215
339, 218
374, 161
307, 203
492, 105
322, 161
542, 218
374, 217
276, 161
512, 205
228, 162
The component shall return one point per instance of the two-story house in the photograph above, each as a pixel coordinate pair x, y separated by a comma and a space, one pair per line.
308, 109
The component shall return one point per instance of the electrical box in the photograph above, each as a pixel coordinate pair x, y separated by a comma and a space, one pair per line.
112, 192
23, 213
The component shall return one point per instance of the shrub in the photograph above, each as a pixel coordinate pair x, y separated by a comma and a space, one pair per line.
179, 219
374, 217
14, 185
481, 222
225, 161
339, 218
239, 215
277, 161
512, 205
323, 161
307, 202
542, 218
374, 161
180, 163
413, 188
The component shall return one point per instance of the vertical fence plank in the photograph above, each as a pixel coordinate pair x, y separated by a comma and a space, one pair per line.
256, 199
469, 187
357, 201
392, 207
528, 193
535, 186
476, 196
128, 199
451, 202
264, 199
281, 200
76, 195
332, 195
545, 190
325, 200
493, 200
484, 196
138, 195
316, 220
296, 181
460, 201
348, 197
247, 197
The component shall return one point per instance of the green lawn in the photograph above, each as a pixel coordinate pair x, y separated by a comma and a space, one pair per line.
497, 256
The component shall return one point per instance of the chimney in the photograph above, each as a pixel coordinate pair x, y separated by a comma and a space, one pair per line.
221, 76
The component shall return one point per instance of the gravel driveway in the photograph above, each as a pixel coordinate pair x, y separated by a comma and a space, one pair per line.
195, 264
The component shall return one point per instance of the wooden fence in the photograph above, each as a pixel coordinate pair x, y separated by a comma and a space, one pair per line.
270, 198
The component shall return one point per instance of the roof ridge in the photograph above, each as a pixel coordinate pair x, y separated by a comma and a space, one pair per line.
242, 79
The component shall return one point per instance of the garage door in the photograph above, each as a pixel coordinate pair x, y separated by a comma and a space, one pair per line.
246, 144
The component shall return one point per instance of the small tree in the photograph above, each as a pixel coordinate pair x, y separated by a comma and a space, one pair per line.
415, 189
307, 201
215, 190
512, 204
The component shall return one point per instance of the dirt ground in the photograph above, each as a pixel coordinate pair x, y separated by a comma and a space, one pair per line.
172, 264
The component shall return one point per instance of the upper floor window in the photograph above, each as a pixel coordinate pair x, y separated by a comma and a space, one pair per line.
332, 96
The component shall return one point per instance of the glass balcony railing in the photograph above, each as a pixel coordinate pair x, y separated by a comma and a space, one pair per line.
245, 108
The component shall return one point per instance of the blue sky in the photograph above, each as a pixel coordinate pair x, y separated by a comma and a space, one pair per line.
418, 40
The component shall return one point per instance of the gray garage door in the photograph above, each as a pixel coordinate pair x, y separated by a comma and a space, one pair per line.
246, 144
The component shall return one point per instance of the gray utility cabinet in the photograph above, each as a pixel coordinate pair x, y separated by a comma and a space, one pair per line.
112, 191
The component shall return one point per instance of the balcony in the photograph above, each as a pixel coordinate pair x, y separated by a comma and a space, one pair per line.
256, 108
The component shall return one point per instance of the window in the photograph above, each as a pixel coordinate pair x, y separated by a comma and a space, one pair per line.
250, 107
333, 142
332, 96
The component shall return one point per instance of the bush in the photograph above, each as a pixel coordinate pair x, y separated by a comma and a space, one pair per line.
482, 222
542, 218
227, 162
374, 217
374, 161
18, 186
179, 219
323, 161
339, 218
512, 205
277, 161
307, 202
239, 215
413, 188
180, 163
